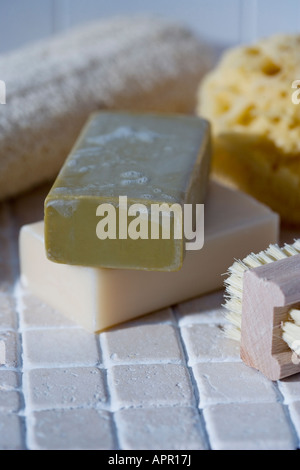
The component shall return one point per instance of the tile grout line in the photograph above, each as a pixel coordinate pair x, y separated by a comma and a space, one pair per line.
202, 422
111, 410
26, 412
286, 409
248, 15
19, 309
12, 229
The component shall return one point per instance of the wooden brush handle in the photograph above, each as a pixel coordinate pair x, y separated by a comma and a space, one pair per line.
269, 292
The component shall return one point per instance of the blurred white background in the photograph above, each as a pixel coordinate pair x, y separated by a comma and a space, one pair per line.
223, 21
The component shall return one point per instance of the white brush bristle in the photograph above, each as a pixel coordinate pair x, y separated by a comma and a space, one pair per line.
291, 330
295, 315
234, 293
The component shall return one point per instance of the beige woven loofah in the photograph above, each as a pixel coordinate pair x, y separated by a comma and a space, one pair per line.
52, 87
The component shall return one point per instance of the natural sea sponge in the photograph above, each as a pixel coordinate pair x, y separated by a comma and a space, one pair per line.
255, 123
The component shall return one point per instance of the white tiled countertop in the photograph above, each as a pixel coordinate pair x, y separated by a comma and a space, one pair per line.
169, 380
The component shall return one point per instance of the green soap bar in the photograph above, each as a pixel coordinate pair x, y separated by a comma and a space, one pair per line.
142, 158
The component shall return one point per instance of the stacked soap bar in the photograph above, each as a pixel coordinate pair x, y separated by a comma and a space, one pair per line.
98, 298
148, 160
122, 165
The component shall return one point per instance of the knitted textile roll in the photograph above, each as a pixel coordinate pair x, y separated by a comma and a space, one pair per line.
143, 64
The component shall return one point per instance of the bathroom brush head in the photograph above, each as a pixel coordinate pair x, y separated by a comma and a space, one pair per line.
263, 309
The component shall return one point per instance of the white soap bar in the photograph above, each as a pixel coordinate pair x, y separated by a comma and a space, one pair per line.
95, 298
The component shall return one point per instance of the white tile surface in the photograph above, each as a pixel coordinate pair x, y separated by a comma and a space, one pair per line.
276, 16
79, 429
12, 348
206, 309
52, 347
206, 343
227, 22
248, 21
150, 385
144, 386
175, 382
141, 344
11, 432
294, 410
37, 314
24, 22
9, 380
249, 426
205, 16
290, 388
141, 386
65, 388
164, 428
9, 402
228, 382
7, 307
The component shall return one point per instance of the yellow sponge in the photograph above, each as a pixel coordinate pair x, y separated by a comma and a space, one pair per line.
256, 125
